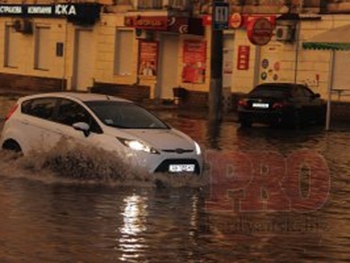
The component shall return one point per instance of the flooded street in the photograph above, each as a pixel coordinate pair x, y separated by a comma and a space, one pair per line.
48, 217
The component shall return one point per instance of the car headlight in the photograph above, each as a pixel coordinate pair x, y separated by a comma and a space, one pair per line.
138, 146
198, 148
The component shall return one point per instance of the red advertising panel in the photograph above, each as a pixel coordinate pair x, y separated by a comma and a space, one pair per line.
194, 58
148, 58
243, 57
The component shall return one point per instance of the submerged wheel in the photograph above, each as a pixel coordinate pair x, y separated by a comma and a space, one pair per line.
245, 123
298, 120
12, 145
321, 119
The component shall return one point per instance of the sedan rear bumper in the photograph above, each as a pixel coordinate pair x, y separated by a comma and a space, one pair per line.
265, 117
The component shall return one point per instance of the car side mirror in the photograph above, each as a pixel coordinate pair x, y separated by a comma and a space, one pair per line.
316, 96
82, 126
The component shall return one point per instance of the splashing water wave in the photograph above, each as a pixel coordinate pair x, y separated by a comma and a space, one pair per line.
88, 164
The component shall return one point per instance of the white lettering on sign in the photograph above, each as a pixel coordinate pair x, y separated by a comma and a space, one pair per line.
221, 14
39, 10
65, 10
10, 9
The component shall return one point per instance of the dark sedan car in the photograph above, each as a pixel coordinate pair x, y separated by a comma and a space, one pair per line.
279, 104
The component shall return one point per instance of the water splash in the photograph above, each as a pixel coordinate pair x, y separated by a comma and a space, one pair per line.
88, 164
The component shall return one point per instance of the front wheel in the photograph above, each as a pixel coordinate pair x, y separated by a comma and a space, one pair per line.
12, 145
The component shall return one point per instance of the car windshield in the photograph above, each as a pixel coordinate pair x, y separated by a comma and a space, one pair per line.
270, 91
125, 115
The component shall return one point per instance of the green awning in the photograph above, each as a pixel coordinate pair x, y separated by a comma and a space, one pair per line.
337, 38
326, 46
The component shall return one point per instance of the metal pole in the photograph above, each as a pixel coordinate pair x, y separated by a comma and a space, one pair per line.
215, 90
64, 83
330, 83
297, 34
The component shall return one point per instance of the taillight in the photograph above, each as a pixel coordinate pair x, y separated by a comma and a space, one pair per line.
279, 105
243, 103
11, 111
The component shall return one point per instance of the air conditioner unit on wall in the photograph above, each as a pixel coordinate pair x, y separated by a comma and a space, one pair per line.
284, 33
24, 26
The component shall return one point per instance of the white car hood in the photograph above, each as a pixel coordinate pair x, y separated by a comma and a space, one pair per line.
167, 139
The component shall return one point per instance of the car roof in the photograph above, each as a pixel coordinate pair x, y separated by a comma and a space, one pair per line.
284, 85
82, 96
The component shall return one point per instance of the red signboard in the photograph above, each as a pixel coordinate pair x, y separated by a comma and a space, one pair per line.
148, 57
259, 31
178, 24
147, 22
181, 25
243, 57
207, 20
194, 58
237, 20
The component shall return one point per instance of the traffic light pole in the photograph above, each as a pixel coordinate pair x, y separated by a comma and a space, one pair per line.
215, 90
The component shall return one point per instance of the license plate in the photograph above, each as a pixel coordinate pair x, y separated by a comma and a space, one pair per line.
260, 105
177, 168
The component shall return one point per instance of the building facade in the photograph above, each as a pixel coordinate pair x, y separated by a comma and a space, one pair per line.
144, 49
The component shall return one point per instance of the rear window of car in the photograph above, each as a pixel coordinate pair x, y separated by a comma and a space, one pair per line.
271, 91
125, 115
42, 107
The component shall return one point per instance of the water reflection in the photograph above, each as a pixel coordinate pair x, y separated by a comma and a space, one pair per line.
213, 135
131, 242
135, 214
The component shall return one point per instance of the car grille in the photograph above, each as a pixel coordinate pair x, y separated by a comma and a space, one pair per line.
178, 150
164, 166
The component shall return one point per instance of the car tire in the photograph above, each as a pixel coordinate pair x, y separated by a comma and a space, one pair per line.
321, 120
246, 123
12, 145
297, 119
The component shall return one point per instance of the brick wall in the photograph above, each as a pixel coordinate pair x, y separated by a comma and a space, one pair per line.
136, 93
197, 99
29, 83
340, 111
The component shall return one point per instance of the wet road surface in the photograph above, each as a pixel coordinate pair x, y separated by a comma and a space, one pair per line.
48, 217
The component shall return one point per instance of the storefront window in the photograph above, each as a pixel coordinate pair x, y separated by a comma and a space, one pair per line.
11, 47
179, 4
123, 52
150, 4
123, 2
42, 41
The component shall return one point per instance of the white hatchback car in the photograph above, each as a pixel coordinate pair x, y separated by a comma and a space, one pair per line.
39, 122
